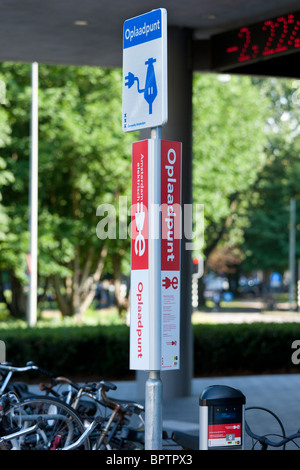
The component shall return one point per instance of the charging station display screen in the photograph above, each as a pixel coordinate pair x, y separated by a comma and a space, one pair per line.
225, 426
225, 415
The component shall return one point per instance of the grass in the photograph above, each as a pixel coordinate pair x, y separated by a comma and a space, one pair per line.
49, 317
53, 318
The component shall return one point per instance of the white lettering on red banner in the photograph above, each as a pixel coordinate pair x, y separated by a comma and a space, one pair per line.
139, 226
170, 253
139, 303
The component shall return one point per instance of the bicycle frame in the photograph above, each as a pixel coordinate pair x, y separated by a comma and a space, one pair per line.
110, 428
104, 432
20, 433
108, 432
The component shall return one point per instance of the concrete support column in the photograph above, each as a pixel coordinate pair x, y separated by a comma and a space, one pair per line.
179, 128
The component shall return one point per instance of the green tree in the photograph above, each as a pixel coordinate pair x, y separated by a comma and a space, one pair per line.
14, 245
5, 175
84, 161
266, 243
229, 136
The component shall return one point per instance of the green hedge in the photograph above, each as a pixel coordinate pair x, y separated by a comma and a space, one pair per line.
73, 351
228, 349
255, 348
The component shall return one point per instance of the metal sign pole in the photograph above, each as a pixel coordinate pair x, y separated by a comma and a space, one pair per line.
153, 388
292, 253
33, 196
145, 84
153, 411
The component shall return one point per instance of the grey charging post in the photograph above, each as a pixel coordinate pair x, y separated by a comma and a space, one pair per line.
221, 418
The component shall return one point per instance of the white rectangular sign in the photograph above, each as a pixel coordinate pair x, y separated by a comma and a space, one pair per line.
145, 101
144, 344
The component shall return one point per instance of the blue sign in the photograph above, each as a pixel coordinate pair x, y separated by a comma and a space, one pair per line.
227, 296
145, 101
142, 29
275, 279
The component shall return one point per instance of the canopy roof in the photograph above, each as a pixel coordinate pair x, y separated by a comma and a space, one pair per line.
89, 32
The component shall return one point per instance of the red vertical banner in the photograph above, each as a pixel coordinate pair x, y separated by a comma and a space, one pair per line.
139, 293
170, 253
170, 205
139, 224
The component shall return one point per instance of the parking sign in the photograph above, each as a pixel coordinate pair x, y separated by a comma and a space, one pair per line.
145, 102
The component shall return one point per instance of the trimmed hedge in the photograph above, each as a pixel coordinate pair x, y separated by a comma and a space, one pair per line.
72, 351
234, 349
103, 352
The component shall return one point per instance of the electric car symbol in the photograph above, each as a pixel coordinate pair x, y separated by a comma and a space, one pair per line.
150, 90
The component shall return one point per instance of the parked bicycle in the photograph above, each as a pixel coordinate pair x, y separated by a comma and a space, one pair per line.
82, 397
76, 417
48, 424
38, 424
116, 429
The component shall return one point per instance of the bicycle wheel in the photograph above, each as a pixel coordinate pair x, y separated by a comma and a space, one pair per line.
62, 427
263, 422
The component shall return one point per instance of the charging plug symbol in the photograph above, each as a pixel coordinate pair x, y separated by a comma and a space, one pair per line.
150, 90
166, 283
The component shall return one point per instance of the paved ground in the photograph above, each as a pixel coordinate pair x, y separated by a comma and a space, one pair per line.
278, 393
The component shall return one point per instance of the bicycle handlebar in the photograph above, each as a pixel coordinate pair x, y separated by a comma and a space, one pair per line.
265, 441
107, 386
29, 366
9, 368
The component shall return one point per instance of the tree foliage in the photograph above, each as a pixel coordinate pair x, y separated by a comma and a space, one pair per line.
266, 244
245, 146
84, 161
229, 137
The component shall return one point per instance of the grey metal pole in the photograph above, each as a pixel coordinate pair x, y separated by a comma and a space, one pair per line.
153, 386
153, 412
292, 253
33, 200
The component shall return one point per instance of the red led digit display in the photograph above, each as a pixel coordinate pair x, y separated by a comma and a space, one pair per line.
256, 42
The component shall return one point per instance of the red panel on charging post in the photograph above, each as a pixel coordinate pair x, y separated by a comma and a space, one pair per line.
220, 435
170, 205
139, 225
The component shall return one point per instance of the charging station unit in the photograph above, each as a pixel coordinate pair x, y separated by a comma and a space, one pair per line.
222, 416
